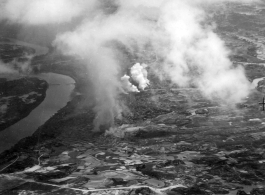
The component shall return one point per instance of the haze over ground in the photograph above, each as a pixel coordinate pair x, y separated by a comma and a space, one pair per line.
151, 31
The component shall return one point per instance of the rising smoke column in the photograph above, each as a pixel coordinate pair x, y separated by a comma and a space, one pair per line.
176, 29
92, 41
198, 55
139, 75
127, 85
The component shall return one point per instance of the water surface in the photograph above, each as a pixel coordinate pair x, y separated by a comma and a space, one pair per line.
57, 96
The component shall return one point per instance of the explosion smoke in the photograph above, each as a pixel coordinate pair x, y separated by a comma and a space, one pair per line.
127, 85
176, 30
139, 75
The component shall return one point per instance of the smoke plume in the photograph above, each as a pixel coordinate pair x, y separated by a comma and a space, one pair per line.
127, 85
39, 12
177, 31
139, 75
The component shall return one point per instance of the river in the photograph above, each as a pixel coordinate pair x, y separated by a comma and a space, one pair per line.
57, 96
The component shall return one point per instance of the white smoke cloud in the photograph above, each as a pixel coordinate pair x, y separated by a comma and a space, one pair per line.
92, 41
198, 55
190, 50
127, 85
38, 12
139, 75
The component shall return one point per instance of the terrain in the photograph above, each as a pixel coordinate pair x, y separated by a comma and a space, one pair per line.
19, 94
174, 142
19, 97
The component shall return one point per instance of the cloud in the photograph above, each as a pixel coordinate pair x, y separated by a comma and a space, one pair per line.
127, 85
39, 12
176, 31
95, 41
139, 75
197, 55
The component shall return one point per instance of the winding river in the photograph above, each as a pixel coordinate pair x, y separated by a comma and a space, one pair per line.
57, 96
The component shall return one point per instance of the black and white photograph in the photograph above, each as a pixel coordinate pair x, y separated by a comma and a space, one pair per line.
132, 97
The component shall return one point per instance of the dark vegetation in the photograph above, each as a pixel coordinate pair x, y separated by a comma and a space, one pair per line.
180, 137
17, 106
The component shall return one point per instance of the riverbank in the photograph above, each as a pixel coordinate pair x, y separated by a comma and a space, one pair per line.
47, 108
181, 144
193, 142
182, 135
57, 96
19, 97
76, 114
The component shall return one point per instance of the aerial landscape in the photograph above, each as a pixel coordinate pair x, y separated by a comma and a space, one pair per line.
132, 97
